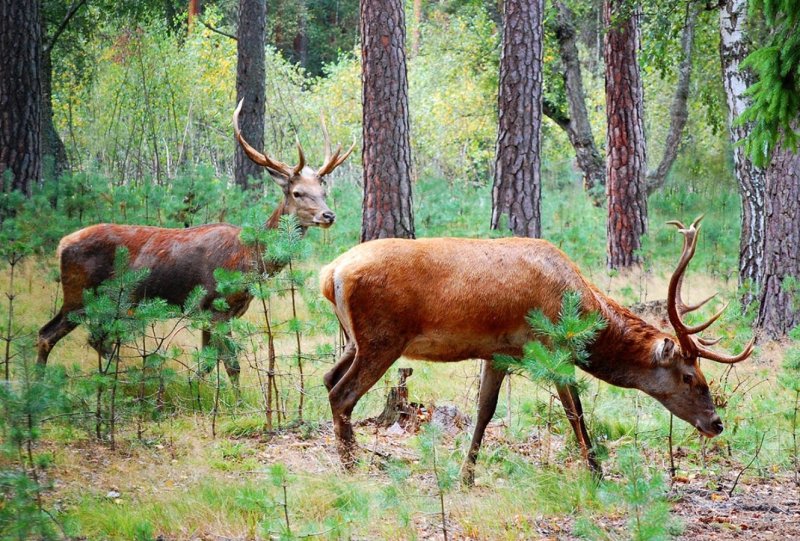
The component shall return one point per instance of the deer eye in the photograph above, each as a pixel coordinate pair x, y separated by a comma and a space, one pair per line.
688, 379
297, 195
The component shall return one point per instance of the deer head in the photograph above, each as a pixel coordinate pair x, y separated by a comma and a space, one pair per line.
303, 188
679, 384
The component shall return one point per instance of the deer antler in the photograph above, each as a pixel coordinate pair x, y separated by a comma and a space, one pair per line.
677, 308
262, 159
332, 161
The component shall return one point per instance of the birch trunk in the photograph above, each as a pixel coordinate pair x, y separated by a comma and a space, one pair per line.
734, 47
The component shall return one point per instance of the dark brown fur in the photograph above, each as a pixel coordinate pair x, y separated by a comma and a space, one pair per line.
454, 299
179, 259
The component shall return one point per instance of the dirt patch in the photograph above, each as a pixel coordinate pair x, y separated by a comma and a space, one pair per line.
759, 509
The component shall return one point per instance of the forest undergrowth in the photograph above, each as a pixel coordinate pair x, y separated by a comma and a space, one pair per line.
154, 442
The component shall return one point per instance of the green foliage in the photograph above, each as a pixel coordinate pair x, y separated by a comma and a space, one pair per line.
641, 494
775, 105
567, 342
108, 310
25, 402
286, 243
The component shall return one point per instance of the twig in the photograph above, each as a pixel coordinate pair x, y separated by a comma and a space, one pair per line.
671, 455
218, 31
755, 456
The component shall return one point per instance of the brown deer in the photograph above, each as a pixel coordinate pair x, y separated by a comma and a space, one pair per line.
182, 259
448, 299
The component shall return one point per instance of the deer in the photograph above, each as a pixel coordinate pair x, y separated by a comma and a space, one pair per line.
179, 260
453, 299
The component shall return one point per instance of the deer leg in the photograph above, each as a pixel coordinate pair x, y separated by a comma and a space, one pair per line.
341, 367
491, 380
572, 406
204, 369
230, 362
49, 335
367, 368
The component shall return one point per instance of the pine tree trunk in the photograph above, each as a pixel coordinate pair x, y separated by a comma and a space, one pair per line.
734, 47
20, 94
387, 207
517, 189
578, 128
625, 143
780, 309
250, 86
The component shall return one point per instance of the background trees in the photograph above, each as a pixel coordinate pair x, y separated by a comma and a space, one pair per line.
387, 208
626, 161
735, 44
20, 95
517, 188
250, 83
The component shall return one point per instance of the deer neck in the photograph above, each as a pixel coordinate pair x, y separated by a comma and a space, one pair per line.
625, 348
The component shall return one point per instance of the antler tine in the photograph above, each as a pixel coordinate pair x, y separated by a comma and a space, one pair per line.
685, 309
726, 359
708, 341
674, 302
334, 160
326, 140
252, 153
301, 157
703, 326
346, 154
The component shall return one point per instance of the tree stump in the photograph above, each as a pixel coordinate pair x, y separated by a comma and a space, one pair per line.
397, 409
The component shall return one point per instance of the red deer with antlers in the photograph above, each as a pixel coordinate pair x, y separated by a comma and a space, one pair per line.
448, 299
182, 259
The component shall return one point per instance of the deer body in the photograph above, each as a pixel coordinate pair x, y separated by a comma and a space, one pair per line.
448, 299
179, 260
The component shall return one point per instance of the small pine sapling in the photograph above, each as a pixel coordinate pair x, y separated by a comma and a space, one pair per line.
109, 316
560, 347
26, 402
445, 471
641, 494
285, 246
13, 249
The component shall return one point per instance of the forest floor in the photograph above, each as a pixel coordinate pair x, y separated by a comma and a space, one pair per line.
135, 474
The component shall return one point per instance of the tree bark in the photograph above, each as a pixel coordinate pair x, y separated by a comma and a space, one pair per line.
250, 86
625, 143
20, 94
577, 125
387, 206
780, 308
679, 110
734, 47
517, 188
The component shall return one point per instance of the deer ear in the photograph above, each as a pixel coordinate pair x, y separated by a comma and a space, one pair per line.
280, 179
665, 352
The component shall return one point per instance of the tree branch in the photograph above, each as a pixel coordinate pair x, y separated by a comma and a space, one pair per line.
552, 111
218, 31
679, 111
577, 125
76, 5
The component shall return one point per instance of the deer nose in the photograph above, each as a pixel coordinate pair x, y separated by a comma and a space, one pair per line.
716, 424
329, 216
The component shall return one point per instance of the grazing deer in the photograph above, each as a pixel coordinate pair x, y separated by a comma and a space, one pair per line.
448, 299
182, 259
